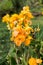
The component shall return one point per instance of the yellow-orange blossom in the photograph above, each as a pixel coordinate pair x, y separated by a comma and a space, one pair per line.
34, 61
19, 24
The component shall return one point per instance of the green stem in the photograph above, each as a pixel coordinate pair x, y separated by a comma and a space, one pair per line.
10, 61
38, 33
24, 61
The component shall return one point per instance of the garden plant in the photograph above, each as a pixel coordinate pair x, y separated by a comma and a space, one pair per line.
26, 43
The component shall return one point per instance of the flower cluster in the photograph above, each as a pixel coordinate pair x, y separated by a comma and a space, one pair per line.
19, 24
34, 61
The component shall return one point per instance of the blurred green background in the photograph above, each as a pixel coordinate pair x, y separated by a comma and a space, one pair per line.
16, 5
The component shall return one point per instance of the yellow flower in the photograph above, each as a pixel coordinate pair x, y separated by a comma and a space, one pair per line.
29, 15
14, 17
32, 61
26, 12
39, 61
28, 30
11, 25
6, 18
21, 17
26, 8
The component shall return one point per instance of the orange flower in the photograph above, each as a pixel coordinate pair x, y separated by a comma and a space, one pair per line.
19, 26
28, 41
19, 29
32, 61
26, 13
15, 33
19, 39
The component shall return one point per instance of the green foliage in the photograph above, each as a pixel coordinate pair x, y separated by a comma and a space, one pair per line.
4, 42
16, 5
5, 5
35, 5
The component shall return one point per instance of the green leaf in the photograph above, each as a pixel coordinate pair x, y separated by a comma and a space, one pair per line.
4, 42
